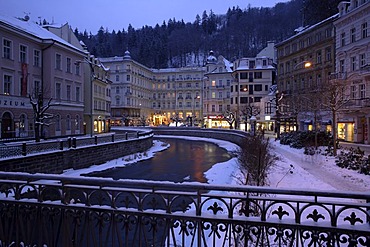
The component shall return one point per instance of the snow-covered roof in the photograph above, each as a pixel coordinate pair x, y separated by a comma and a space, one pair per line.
302, 30
33, 29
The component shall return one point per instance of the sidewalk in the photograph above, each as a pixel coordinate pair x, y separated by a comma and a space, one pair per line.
363, 147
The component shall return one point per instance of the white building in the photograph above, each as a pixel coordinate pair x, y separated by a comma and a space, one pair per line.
353, 66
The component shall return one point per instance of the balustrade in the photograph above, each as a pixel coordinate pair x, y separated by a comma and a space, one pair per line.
52, 210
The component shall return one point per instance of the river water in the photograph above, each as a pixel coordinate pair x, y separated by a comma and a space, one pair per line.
184, 160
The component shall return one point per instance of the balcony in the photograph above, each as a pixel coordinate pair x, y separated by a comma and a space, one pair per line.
77, 211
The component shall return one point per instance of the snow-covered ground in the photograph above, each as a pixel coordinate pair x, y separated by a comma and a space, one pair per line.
293, 170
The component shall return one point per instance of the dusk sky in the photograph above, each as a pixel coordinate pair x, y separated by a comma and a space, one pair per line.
116, 15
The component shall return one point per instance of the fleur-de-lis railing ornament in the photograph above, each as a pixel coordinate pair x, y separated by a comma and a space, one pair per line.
353, 219
126, 201
215, 208
280, 212
315, 216
153, 203
184, 206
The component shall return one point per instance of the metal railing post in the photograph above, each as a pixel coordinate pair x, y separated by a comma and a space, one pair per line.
74, 142
112, 137
24, 149
96, 140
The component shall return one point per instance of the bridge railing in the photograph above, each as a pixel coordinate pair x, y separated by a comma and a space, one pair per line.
53, 210
27, 148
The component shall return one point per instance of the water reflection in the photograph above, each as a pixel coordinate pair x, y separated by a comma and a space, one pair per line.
184, 160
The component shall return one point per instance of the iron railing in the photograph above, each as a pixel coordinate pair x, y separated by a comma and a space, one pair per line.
26, 148
53, 210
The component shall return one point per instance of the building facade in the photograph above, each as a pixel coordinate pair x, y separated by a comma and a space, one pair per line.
250, 93
36, 63
353, 68
216, 91
305, 63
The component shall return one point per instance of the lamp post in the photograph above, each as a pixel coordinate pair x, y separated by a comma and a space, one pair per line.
253, 121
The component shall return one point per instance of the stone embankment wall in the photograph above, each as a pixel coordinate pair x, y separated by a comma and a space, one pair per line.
81, 157
234, 136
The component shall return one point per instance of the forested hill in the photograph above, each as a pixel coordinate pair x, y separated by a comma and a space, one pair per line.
241, 32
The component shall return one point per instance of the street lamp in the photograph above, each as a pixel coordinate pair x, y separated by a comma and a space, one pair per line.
92, 77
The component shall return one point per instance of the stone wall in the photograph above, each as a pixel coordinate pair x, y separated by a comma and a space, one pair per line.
234, 136
81, 157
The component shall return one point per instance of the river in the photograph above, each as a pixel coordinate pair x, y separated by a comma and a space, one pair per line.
184, 160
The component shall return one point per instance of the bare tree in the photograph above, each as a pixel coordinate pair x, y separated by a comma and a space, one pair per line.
40, 114
143, 120
335, 96
230, 118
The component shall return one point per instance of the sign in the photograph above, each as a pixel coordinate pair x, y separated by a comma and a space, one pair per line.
14, 102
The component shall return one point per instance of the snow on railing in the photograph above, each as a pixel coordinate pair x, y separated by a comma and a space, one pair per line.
54, 210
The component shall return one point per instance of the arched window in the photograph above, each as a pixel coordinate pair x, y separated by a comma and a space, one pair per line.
68, 122
57, 123
77, 122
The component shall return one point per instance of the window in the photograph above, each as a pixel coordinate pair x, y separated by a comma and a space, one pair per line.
220, 96
7, 49
69, 65
362, 59
258, 87
258, 75
57, 91
117, 101
58, 61
220, 83
117, 77
78, 94
213, 108
188, 104
353, 35
128, 78
353, 63
220, 108
117, 90
36, 58
57, 123
328, 54
364, 30
23, 54
243, 100
77, 68
7, 84
318, 57
213, 83
37, 87
180, 104
341, 66
77, 122
268, 108
213, 95
353, 92
343, 39
362, 91
68, 122
68, 92
244, 75
188, 84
